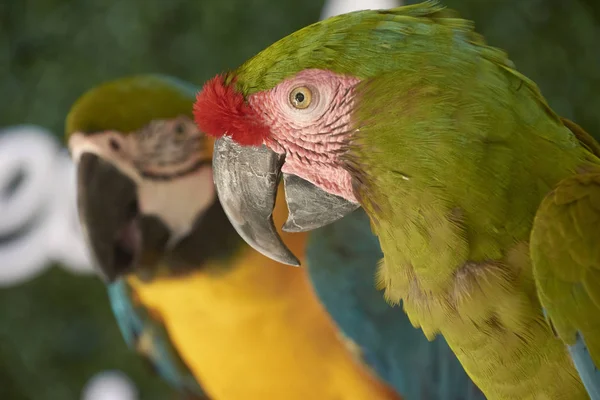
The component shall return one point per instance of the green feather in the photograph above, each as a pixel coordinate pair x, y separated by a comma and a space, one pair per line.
128, 104
365, 44
454, 151
452, 176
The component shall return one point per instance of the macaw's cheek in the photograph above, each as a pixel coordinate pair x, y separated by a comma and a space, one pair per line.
178, 200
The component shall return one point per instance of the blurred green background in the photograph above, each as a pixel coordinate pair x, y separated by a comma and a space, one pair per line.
57, 330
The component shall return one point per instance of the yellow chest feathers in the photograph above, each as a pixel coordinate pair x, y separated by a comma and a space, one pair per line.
257, 331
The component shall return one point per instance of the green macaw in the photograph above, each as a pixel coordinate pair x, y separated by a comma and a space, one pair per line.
485, 202
215, 317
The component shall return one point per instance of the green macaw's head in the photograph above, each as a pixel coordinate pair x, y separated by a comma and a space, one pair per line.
144, 171
295, 108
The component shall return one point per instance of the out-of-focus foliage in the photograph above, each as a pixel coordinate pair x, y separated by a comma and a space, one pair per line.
554, 42
57, 331
53, 50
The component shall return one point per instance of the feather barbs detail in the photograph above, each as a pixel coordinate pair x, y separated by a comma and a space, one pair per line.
220, 110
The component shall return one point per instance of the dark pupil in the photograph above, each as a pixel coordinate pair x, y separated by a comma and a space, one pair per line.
114, 144
179, 128
299, 97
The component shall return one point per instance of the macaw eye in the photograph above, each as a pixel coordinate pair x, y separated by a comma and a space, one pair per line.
179, 129
301, 97
114, 144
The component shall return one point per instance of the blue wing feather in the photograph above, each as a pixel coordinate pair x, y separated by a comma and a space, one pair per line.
342, 260
149, 337
585, 366
589, 374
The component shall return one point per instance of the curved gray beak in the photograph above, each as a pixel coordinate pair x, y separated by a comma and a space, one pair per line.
247, 178
120, 239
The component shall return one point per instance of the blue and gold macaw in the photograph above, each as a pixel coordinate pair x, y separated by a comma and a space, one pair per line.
216, 318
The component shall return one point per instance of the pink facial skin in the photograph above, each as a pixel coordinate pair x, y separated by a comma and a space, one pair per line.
313, 138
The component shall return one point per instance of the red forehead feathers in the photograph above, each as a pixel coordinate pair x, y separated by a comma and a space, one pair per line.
221, 110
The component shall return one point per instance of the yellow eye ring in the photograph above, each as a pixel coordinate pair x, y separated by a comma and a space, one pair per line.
301, 97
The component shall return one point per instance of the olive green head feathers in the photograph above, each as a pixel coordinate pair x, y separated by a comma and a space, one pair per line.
129, 103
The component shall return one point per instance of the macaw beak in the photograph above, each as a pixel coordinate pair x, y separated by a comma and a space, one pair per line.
121, 240
246, 179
